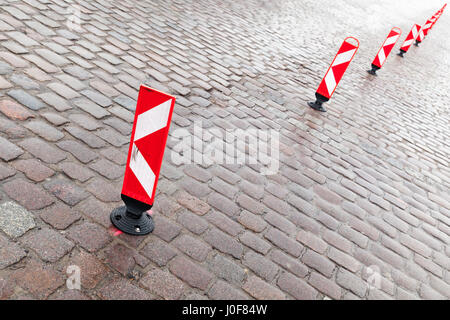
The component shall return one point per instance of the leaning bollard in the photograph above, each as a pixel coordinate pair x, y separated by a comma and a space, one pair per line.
428, 25
441, 11
409, 40
385, 49
148, 140
438, 15
420, 37
424, 30
334, 73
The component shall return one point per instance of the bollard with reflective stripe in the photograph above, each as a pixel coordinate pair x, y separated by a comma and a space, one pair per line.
334, 73
439, 14
428, 25
420, 37
424, 31
148, 140
412, 35
385, 49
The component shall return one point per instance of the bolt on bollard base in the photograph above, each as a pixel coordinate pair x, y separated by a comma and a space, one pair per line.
317, 105
374, 69
401, 53
133, 218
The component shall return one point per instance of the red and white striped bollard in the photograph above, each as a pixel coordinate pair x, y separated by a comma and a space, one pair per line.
152, 120
420, 37
334, 73
428, 25
439, 14
424, 30
412, 35
385, 50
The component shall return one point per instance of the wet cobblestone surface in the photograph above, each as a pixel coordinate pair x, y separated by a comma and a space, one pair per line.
359, 208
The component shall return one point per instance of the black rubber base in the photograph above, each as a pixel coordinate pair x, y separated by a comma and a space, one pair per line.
126, 223
416, 43
400, 54
317, 106
372, 72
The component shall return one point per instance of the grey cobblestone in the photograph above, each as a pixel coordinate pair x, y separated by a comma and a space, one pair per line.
15, 220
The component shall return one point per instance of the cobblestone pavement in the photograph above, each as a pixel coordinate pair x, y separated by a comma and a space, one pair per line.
358, 210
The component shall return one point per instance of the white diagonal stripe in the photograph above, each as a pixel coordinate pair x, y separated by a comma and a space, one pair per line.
421, 35
152, 120
415, 32
381, 56
343, 57
330, 81
147, 123
391, 40
408, 42
142, 171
